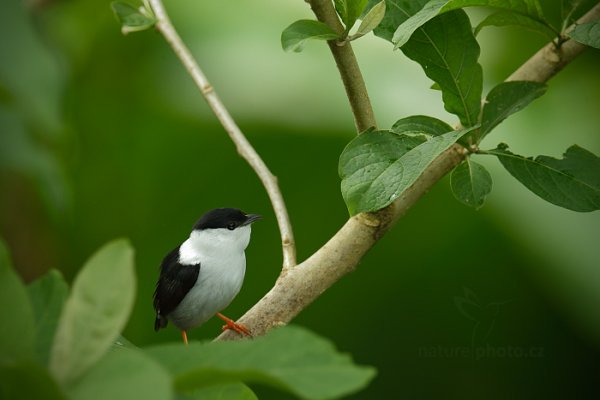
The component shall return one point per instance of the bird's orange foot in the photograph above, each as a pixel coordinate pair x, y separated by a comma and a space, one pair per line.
184, 337
230, 324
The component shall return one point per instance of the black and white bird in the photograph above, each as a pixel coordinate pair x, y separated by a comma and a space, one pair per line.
201, 277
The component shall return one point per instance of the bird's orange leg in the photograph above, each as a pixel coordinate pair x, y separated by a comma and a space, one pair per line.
230, 324
184, 336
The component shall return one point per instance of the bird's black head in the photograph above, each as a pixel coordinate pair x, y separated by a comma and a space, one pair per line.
228, 218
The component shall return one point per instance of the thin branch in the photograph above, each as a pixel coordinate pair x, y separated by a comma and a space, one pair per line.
244, 148
297, 289
345, 60
549, 60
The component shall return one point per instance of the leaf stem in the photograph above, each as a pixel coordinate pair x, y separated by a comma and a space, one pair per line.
244, 148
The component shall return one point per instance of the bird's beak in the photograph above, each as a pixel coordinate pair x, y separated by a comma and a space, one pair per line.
250, 218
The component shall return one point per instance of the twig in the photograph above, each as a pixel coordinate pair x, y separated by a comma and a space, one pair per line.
549, 60
345, 60
296, 290
244, 148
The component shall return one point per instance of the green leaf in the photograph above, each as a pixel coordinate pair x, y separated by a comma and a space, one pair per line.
350, 10
355, 10
524, 7
377, 167
27, 380
399, 12
448, 52
122, 343
132, 19
572, 183
470, 183
588, 34
366, 158
123, 375
396, 12
294, 37
529, 9
408, 27
289, 358
226, 391
508, 18
341, 7
371, 20
47, 295
96, 311
506, 99
17, 333
421, 124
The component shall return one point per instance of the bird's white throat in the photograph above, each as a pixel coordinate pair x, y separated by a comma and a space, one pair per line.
214, 243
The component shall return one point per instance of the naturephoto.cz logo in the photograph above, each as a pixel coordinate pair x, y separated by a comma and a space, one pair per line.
483, 317
481, 352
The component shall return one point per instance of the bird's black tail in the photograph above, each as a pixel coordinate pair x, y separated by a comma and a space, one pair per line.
160, 322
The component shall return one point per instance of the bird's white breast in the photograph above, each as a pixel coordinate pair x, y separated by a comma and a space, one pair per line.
222, 268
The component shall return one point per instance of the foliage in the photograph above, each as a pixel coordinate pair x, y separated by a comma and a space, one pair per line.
505, 99
471, 183
448, 53
378, 166
572, 182
292, 359
588, 34
62, 343
520, 12
48, 295
85, 363
93, 316
438, 35
294, 36
133, 19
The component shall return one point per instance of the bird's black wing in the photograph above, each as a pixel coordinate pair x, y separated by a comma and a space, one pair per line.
174, 283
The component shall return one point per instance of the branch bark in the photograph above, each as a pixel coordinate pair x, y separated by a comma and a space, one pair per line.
354, 84
244, 148
297, 288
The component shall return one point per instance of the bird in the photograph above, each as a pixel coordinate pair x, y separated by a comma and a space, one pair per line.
200, 277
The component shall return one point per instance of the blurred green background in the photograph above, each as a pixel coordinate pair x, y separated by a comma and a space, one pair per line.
103, 136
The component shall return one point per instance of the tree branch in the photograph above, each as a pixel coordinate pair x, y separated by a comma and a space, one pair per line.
244, 148
356, 91
300, 286
550, 59
297, 288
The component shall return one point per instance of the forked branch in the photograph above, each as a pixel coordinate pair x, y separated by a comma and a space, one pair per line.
298, 288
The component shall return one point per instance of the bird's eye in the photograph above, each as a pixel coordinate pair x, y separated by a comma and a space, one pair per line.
231, 226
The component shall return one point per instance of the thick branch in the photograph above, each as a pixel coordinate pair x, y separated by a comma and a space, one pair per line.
345, 60
244, 147
299, 287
